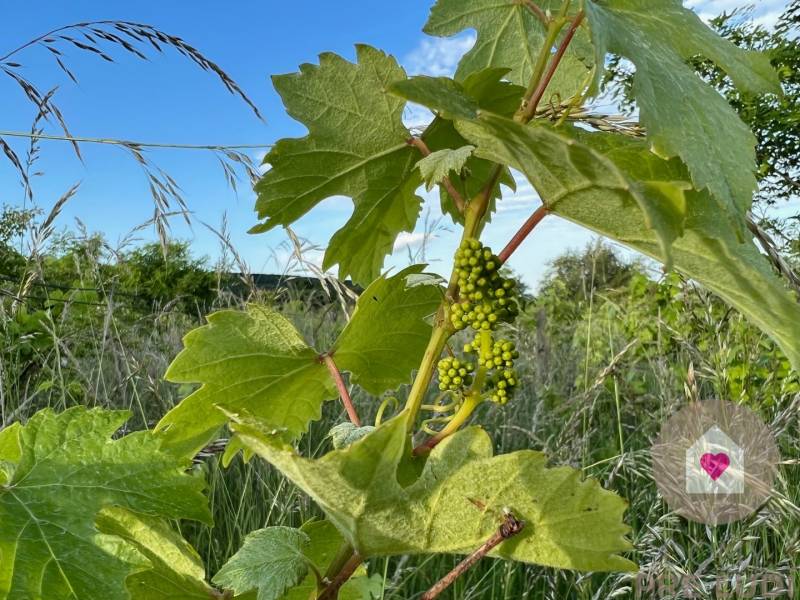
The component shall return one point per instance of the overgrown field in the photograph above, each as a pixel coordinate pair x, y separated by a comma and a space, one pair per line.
608, 352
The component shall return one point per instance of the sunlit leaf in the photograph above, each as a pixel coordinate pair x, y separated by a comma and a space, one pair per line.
458, 500
69, 469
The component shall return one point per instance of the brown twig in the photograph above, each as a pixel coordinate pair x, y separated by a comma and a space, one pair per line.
536, 10
537, 216
344, 394
533, 103
510, 527
332, 589
458, 200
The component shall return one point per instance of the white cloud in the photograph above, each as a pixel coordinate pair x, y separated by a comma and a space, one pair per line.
438, 56
409, 240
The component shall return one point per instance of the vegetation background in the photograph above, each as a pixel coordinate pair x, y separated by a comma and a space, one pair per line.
608, 347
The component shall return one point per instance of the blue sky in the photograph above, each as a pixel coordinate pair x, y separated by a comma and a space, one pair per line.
168, 100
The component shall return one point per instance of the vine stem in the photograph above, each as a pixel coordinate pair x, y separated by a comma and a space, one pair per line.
510, 527
536, 10
523, 232
344, 394
530, 107
331, 591
458, 199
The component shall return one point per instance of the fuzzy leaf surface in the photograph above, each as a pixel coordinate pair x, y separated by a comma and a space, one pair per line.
68, 470
270, 560
510, 36
438, 165
356, 147
387, 335
684, 117
252, 360
485, 89
458, 500
174, 569
571, 175
582, 172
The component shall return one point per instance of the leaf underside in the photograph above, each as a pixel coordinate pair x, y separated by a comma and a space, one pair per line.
571, 174
685, 117
458, 500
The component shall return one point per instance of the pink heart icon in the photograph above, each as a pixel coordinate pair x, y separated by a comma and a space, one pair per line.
715, 464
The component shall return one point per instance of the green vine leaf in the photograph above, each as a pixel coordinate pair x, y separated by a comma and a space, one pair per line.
356, 147
68, 470
509, 35
344, 434
271, 560
684, 116
574, 169
458, 500
253, 360
438, 165
10, 451
386, 337
256, 361
484, 89
574, 177
173, 568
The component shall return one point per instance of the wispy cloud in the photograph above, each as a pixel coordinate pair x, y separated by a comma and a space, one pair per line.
409, 240
438, 56
765, 12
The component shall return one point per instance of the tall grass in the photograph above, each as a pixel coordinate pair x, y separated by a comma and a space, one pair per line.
600, 373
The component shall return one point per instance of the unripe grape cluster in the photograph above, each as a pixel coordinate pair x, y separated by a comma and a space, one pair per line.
454, 374
498, 359
486, 298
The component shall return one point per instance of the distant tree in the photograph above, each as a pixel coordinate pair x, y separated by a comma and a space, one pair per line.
577, 275
159, 276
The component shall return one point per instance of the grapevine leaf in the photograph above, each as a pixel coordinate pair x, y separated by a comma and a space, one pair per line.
174, 570
69, 469
10, 451
582, 171
253, 360
356, 147
270, 560
574, 177
325, 543
483, 89
256, 361
458, 500
508, 35
387, 335
438, 165
683, 115
344, 434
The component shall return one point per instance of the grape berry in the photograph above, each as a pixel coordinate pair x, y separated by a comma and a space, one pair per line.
486, 298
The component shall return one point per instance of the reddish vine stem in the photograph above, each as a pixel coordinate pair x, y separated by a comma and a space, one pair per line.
533, 103
331, 591
536, 10
536, 218
344, 394
458, 200
510, 527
